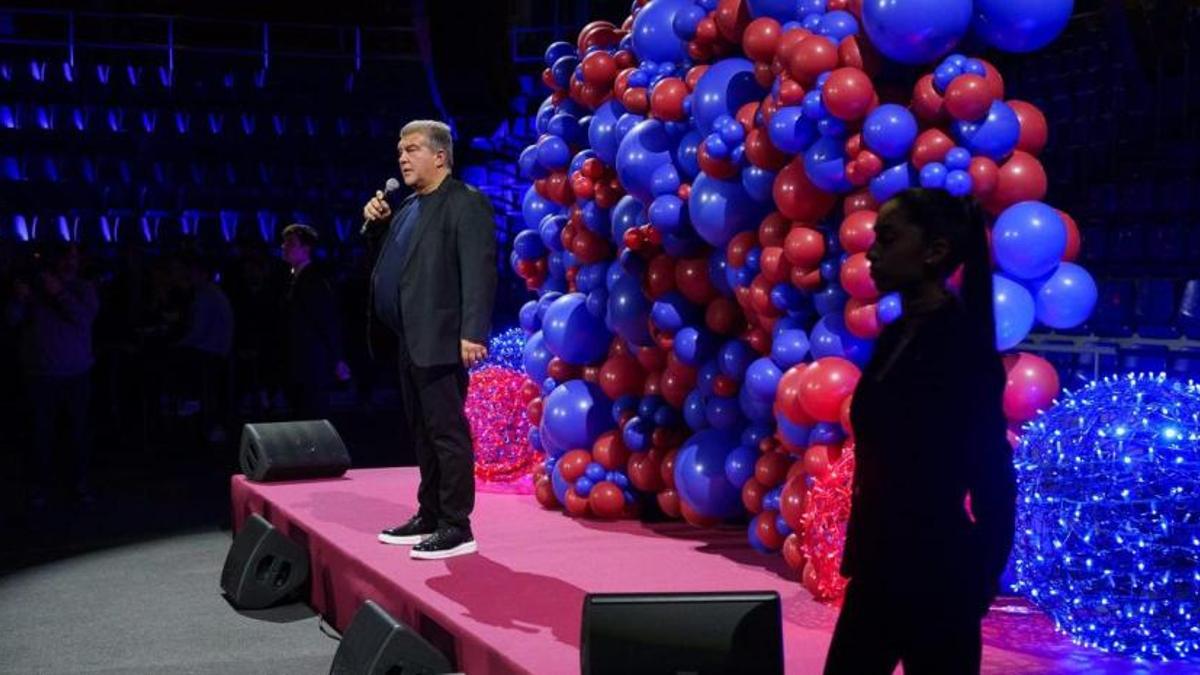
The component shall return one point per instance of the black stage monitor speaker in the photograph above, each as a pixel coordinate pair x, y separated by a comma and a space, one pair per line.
292, 451
377, 644
682, 633
263, 566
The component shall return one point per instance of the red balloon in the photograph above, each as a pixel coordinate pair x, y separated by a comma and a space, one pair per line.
862, 319
668, 501
787, 395
610, 451
931, 146
927, 103
825, 384
758, 338
745, 114
534, 411
576, 506
764, 527
666, 100
597, 34
994, 80
717, 168
791, 501
1034, 132
817, 460
789, 42
770, 469
761, 152
589, 247
761, 39
739, 246
599, 68
856, 277
857, 52
811, 57
804, 247
544, 491
660, 276
752, 495
775, 267
848, 93
667, 468
561, 370
675, 387
984, 176
558, 189
793, 555
643, 471
796, 196
860, 200
651, 358
790, 93
573, 463
1074, 239
857, 232
732, 17
691, 278
607, 500
636, 100
968, 98
773, 230
844, 415
722, 317
1031, 386
1020, 179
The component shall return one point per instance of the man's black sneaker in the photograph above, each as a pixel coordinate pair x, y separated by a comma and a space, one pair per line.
447, 542
416, 530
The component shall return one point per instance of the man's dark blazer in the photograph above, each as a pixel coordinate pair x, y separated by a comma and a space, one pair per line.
448, 281
314, 329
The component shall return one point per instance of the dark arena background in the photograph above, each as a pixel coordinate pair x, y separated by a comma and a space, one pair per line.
159, 149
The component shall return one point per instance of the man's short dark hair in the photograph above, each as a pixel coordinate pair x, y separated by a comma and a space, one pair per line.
305, 234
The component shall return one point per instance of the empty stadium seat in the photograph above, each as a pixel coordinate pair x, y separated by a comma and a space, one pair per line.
1155, 308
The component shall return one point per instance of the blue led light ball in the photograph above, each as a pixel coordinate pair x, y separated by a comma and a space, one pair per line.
1108, 516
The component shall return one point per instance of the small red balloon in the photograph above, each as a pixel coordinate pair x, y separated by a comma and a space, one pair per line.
610, 451
668, 501
773, 229
643, 471
752, 495
848, 93
761, 39
577, 506
691, 278
770, 469
1021, 178
607, 500
1031, 386
791, 501
722, 316
544, 491
825, 384
666, 100
810, 57
856, 277
573, 464
984, 176
862, 319
968, 98
1074, 239
796, 197
599, 68
1034, 131
768, 534
927, 103
857, 232
793, 553
931, 146
804, 247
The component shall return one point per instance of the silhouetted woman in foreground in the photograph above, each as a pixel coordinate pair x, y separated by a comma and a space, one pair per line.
929, 428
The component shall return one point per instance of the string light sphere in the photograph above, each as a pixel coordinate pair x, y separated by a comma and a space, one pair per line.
495, 409
504, 350
1108, 516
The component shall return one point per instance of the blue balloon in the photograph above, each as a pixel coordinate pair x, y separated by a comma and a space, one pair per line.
668, 214
795, 435
791, 131
666, 416
771, 499
1014, 310
693, 411
672, 311
756, 541
944, 74
597, 301
959, 183
717, 265
653, 32
574, 414
700, 474
739, 465
826, 433
706, 376
687, 156
595, 471
591, 277
568, 128
891, 181
759, 183
556, 51
734, 358
646, 148
562, 71
889, 308
627, 403
830, 300
534, 208
550, 230
1020, 25
933, 175
559, 484
825, 164
1029, 239
762, 378
627, 213
528, 245
755, 409
636, 434
686, 21
720, 209
890, 131
838, 25
722, 89
583, 486
780, 10
995, 136
629, 311
546, 110
831, 338
916, 31
528, 318
789, 347
694, 345
1067, 298
958, 159
595, 218
574, 334
602, 132
528, 165
535, 357
722, 412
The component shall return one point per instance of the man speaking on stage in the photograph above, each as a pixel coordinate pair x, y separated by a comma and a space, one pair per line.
433, 284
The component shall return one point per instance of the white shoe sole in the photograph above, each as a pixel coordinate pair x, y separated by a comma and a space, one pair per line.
461, 549
408, 540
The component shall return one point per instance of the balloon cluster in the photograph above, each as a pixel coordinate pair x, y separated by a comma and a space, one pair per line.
706, 183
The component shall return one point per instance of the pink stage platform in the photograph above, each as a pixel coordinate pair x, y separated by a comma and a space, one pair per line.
515, 607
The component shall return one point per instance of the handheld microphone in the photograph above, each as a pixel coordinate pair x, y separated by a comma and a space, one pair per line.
388, 188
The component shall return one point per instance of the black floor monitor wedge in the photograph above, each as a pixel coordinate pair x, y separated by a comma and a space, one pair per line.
292, 451
377, 644
682, 633
263, 566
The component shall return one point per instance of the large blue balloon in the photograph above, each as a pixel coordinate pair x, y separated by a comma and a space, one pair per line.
890, 131
916, 31
700, 474
574, 414
1020, 25
643, 150
1029, 239
602, 132
535, 357
830, 337
780, 10
720, 209
654, 37
574, 334
995, 136
534, 208
629, 311
1014, 310
1067, 298
722, 89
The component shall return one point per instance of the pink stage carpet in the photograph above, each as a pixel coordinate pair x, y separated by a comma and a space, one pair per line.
516, 605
